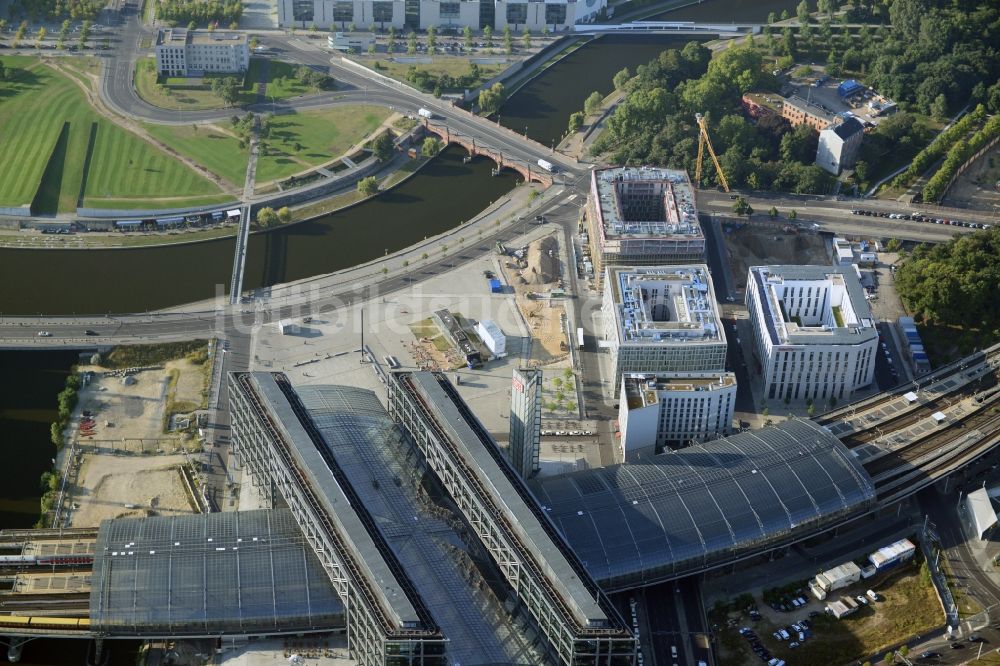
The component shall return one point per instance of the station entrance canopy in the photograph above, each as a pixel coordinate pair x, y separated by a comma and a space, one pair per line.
248, 572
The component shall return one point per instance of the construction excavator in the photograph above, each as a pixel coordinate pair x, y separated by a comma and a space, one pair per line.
703, 141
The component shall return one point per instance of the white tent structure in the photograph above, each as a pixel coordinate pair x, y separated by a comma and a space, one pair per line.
982, 516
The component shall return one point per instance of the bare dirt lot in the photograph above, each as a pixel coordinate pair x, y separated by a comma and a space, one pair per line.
535, 276
768, 244
976, 188
109, 486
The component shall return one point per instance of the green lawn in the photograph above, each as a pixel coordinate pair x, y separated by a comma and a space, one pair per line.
44, 114
303, 140
218, 152
159, 202
281, 84
453, 66
170, 98
281, 81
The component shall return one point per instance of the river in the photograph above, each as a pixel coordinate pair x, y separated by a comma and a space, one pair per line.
443, 194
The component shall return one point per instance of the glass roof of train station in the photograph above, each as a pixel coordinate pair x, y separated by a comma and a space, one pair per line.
236, 572
644, 522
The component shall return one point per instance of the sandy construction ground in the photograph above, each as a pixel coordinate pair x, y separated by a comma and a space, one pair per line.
109, 486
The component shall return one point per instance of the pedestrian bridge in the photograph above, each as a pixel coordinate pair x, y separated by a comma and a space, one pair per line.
668, 27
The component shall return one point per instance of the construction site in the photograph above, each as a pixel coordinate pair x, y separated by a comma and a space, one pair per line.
130, 440
535, 274
753, 244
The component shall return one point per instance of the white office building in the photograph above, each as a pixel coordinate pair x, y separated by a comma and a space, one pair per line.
181, 52
814, 332
406, 15
662, 319
643, 217
673, 410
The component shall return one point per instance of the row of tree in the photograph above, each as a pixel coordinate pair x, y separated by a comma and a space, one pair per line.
199, 12
933, 151
56, 9
959, 154
437, 84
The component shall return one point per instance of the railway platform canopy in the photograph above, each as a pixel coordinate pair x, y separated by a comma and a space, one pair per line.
247, 572
702, 506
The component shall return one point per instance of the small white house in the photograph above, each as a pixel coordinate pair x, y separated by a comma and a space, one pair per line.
288, 327
492, 337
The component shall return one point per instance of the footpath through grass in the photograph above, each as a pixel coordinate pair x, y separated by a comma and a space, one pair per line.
298, 141
44, 115
311, 138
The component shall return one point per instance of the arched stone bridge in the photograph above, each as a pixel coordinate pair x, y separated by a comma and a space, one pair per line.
530, 172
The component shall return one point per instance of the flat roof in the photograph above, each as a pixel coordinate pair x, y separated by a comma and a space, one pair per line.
687, 313
207, 574
643, 389
667, 207
375, 454
640, 523
543, 544
383, 576
782, 331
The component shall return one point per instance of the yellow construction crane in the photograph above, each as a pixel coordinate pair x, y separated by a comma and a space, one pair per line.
703, 141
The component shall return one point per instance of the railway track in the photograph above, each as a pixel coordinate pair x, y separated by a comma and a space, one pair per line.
919, 411
932, 457
881, 399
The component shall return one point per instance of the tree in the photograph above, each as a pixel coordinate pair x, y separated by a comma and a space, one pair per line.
3, 72
771, 18
938, 109
40, 37
592, 104
382, 147
508, 40
575, 122
742, 207
621, 78
861, 171
431, 146
411, 43
893, 245
227, 89
802, 12
467, 36
904, 650
368, 186
488, 35
266, 217
390, 44
824, 7
284, 215
526, 38
492, 98
431, 39
793, 214
773, 212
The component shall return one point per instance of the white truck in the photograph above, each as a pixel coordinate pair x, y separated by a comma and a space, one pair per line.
425, 113
548, 166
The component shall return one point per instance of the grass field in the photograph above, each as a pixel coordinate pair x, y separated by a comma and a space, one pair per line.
303, 140
281, 81
44, 115
217, 151
454, 66
281, 84
183, 100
